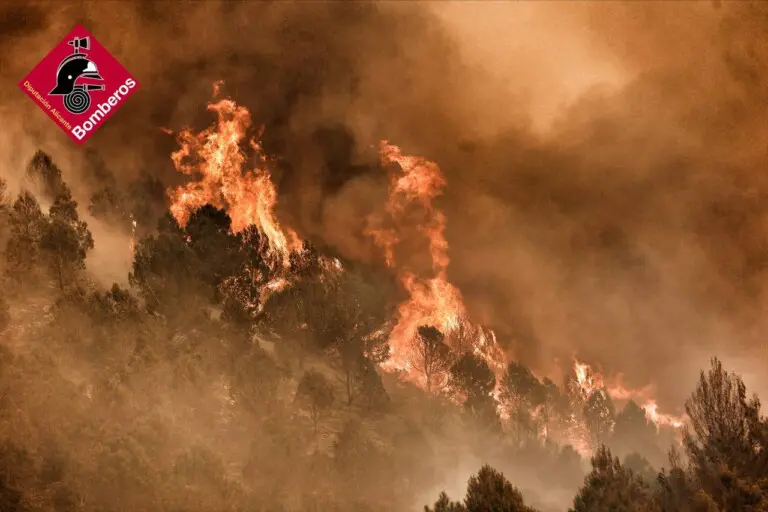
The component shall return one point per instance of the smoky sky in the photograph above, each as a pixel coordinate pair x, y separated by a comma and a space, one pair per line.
629, 230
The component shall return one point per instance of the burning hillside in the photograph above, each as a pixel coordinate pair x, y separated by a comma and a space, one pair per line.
217, 159
408, 239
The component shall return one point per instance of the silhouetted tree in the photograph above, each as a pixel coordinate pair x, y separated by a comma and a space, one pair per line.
520, 387
521, 393
567, 466
114, 306
145, 201
66, 239
555, 407
23, 247
444, 504
108, 204
165, 269
640, 466
360, 465
255, 379
472, 377
355, 323
599, 416
634, 432
431, 356
370, 386
488, 491
462, 337
209, 236
42, 170
676, 491
316, 393
727, 442
610, 486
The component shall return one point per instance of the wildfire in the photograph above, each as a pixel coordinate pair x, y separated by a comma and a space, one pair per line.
432, 300
216, 157
590, 381
215, 160
651, 411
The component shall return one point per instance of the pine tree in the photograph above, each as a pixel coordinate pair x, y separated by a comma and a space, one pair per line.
66, 239
431, 356
487, 491
611, 486
490, 491
633, 430
316, 393
444, 504
22, 252
727, 442
599, 416
521, 394
46, 174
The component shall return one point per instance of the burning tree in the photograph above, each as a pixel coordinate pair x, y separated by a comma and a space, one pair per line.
521, 394
462, 337
473, 379
217, 156
599, 416
431, 356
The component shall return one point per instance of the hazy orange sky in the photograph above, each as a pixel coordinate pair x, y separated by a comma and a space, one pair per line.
543, 50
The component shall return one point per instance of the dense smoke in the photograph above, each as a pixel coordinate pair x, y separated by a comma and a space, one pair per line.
604, 163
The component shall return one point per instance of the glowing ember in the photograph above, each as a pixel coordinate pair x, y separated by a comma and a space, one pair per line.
132, 243
272, 287
588, 381
216, 157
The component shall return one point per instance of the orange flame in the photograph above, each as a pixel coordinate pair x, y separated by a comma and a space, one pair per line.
590, 381
216, 156
132, 243
652, 413
433, 300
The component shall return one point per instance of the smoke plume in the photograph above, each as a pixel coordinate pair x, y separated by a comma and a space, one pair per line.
605, 163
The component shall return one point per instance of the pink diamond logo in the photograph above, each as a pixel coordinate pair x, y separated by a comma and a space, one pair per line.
79, 84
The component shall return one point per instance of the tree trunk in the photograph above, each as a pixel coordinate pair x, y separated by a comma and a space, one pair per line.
349, 387
59, 269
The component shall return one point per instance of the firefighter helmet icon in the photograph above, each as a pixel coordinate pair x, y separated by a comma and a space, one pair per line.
72, 68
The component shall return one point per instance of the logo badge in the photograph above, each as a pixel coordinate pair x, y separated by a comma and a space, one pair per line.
79, 85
